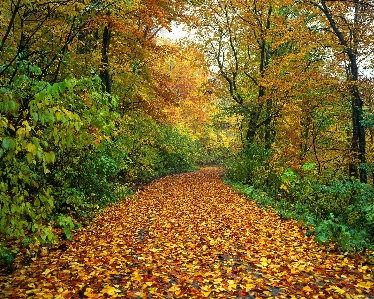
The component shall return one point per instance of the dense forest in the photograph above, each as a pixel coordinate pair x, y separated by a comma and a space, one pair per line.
94, 102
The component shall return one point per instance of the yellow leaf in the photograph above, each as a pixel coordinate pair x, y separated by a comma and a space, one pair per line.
284, 187
109, 290
136, 276
88, 292
249, 286
46, 271
307, 289
205, 287
337, 290
30, 147
231, 285
175, 289
206, 293
264, 261
366, 285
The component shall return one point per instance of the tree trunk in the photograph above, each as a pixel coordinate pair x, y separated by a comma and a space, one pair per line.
254, 116
105, 73
358, 144
358, 130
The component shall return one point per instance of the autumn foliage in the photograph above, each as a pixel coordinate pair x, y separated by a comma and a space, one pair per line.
95, 104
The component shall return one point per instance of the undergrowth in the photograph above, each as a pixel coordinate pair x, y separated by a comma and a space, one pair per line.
334, 211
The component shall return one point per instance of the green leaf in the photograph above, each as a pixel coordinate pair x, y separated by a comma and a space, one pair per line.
12, 105
53, 90
39, 96
29, 158
34, 227
39, 154
309, 166
35, 116
8, 143
53, 157
49, 157
6, 256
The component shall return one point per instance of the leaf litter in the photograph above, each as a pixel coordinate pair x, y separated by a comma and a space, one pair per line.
191, 236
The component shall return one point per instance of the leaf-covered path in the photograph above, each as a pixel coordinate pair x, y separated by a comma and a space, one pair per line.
191, 236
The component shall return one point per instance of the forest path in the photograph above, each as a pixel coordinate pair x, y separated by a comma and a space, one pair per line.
190, 236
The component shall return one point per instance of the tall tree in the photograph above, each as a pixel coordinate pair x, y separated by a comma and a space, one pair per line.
260, 56
351, 24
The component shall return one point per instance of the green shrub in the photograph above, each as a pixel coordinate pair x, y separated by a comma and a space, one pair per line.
335, 210
153, 149
6, 257
65, 151
349, 238
40, 126
67, 225
178, 152
252, 166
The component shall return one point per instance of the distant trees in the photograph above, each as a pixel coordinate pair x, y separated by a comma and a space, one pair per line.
282, 63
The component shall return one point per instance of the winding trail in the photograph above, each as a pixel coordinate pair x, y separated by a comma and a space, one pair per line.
191, 236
